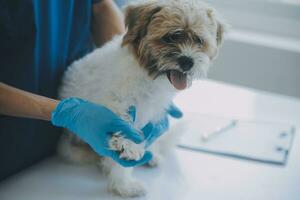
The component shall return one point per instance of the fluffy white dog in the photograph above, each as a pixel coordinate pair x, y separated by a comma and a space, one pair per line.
167, 45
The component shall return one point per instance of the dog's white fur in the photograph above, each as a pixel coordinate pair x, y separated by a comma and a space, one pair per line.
112, 76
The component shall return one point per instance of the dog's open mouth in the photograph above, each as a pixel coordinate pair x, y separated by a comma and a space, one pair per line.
178, 79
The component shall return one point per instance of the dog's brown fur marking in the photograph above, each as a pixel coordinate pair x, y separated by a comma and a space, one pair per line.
148, 24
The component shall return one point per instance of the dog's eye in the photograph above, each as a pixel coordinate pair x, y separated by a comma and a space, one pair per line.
199, 40
174, 37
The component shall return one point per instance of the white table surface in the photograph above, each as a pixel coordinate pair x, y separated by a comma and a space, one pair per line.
186, 175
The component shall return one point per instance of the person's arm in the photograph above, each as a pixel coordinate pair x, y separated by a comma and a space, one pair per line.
91, 122
108, 21
18, 103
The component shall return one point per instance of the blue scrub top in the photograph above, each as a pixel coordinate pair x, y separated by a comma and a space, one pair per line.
39, 39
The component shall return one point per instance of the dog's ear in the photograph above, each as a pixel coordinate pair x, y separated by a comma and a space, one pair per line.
221, 30
137, 19
221, 26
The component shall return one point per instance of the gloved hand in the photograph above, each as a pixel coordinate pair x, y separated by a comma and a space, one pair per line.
95, 124
153, 130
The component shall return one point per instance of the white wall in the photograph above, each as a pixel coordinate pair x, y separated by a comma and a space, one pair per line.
263, 47
269, 67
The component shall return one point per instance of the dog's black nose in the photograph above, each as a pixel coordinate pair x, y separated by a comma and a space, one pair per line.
185, 63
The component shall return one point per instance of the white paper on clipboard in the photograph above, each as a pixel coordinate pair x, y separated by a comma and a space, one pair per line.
256, 141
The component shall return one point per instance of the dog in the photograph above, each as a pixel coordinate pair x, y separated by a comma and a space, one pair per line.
167, 45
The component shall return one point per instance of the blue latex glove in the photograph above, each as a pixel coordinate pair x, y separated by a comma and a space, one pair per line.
153, 130
95, 124
174, 111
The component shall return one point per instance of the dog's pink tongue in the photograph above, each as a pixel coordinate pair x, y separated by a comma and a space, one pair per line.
178, 80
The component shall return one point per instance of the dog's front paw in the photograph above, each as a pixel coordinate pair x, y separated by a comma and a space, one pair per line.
128, 188
128, 149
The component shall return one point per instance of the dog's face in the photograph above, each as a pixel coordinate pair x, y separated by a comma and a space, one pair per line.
177, 39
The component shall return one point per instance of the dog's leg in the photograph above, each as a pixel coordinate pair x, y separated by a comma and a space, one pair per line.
120, 180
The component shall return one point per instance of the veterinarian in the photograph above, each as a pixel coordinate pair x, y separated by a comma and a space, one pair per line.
38, 40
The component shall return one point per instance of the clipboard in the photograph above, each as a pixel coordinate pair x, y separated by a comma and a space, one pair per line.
264, 142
